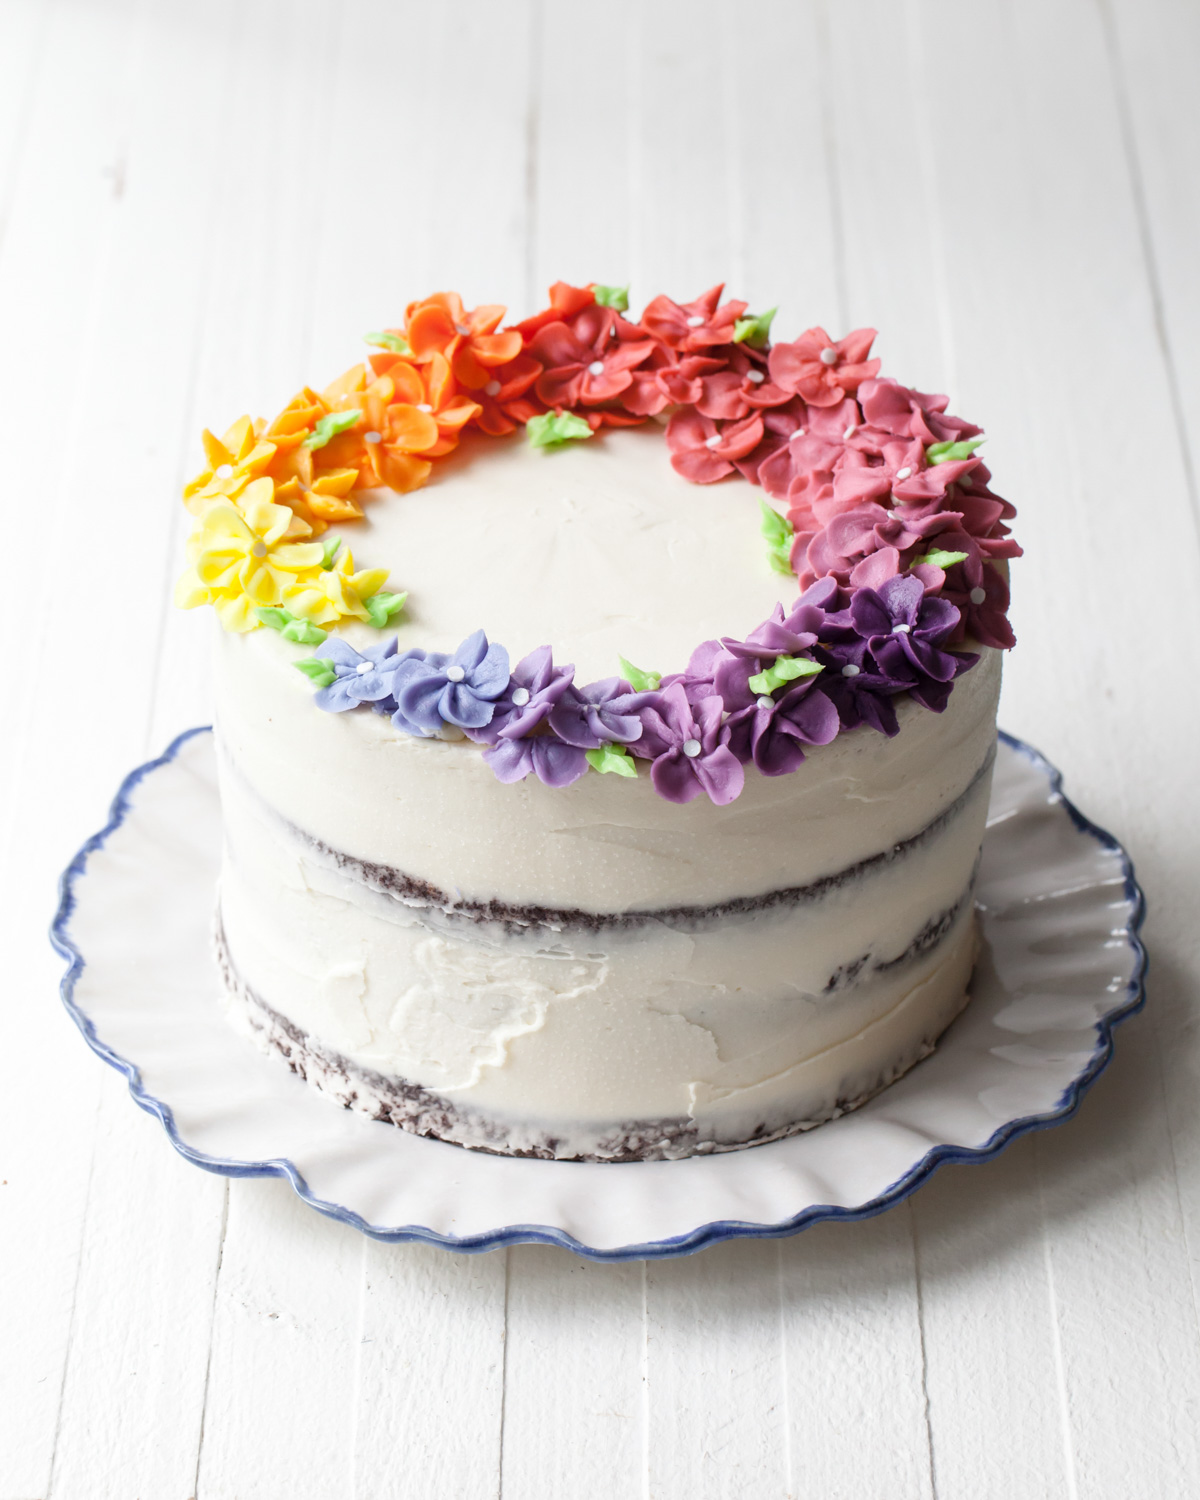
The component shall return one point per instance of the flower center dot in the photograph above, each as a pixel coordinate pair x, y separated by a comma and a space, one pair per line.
455, 674
766, 702
225, 471
691, 748
755, 377
462, 328
901, 629
373, 437
713, 441
424, 406
363, 668
259, 549
520, 697
977, 596
695, 321
596, 367
850, 670
492, 388
829, 356
850, 431
904, 473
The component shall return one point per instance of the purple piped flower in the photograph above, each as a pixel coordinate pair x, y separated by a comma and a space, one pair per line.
602, 713
535, 686
856, 688
904, 629
546, 757
362, 677
771, 731
683, 739
432, 689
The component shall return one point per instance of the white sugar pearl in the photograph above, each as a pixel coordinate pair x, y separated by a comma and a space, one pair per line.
364, 667
850, 670
850, 431
492, 388
901, 629
520, 697
225, 471
695, 321
755, 377
596, 367
829, 356
766, 701
259, 549
455, 674
714, 441
373, 437
462, 329
691, 748
977, 596
904, 473
424, 406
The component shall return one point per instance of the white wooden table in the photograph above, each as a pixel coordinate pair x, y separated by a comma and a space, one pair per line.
203, 204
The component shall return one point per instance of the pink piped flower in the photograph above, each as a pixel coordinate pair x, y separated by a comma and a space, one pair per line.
693, 326
742, 387
821, 371
814, 452
704, 452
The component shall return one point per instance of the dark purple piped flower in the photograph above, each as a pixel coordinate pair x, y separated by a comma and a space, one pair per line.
771, 731
546, 757
601, 713
683, 739
432, 689
905, 629
534, 688
860, 693
362, 676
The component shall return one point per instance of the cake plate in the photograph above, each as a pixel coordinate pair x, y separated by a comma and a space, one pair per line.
1061, 964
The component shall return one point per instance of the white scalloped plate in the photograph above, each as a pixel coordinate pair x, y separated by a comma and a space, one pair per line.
1061, 965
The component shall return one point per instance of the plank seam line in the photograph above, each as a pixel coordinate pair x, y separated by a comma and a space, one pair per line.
1060, 1373
533, 120
784, 1375
837, 228
212, 1323
1141, 215
503, 1377
645, 1380
926, 1415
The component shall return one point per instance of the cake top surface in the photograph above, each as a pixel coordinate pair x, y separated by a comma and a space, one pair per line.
633, 604
600, 548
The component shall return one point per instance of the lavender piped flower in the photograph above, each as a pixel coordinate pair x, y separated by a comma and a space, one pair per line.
534, 688
433, 689
771, 731
683, 739
362, 676
602, 713
543, 755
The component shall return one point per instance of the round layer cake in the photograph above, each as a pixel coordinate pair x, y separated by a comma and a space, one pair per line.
437, 906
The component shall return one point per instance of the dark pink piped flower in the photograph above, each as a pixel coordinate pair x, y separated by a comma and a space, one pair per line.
821, 371
693, 325
703, 452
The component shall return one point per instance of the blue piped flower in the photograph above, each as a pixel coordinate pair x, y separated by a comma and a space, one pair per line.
432, 689
361, 677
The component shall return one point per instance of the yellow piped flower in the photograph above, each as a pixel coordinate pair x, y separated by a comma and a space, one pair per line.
234, 462
241, 558
328, 595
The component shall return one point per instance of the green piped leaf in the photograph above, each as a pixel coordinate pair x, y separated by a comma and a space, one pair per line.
786, 669
275, 618
639, 681
332, 545
779, 533
291, 627
611, 758
329, 427
754, 330
318, 671
950, 453
381, 607
393, 341
616, 297
939, 559
556, 428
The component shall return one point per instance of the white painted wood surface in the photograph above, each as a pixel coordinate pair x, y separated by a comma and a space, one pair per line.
203, 203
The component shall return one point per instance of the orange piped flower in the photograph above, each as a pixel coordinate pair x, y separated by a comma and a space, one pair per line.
503, 402
440, 325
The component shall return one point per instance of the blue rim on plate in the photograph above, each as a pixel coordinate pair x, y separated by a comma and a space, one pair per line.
705, 1234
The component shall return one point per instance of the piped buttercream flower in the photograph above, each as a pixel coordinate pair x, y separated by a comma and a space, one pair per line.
741, 387
589, 360
233, 462
468, 340
772, 731
553, 763
703, 452
821, 371
683, 741
692, 326
600, 713
241, 558
905, 629
359, 676
534, 687
327, 595
433, 689
504, 401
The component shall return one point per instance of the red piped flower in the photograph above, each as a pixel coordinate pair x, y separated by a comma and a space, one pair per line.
696, 325
820, 370
503, 401
742, 387
703, 452
589, 360
566, 302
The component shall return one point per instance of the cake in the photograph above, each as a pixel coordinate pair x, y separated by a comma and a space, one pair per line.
627, 804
